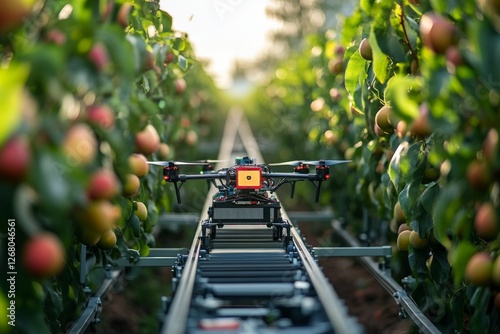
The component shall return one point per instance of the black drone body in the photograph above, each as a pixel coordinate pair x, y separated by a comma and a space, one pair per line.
246, 190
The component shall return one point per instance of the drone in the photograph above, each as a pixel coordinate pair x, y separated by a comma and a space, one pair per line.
246, 190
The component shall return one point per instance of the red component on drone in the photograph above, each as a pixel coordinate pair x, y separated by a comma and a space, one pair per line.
249, 178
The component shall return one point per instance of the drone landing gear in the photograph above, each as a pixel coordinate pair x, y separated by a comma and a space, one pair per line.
278, 225
205, 238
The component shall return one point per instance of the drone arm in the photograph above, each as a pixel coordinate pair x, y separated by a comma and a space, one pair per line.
185, 177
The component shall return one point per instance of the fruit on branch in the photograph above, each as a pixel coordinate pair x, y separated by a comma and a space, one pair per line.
420, 127
403, 240
486, 222
169, 58
490, 146
163, 151
87, 236
98, 56
191, 137
141, 212
479, 269
43, 255
478, 175
138, 164
13, 12
431, 173
437, 32
398, 213
365, 49
336, 65
147, 141
99, 216
101, 116
80, 145
384, 120
103, 185
417, 242
453, 58
107, 240
180, 85
122, 17
55, 36
15, 158
150, 61
131, 185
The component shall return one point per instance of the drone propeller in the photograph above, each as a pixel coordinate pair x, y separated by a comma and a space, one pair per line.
211, 161
295, 163
179, 163
325, 162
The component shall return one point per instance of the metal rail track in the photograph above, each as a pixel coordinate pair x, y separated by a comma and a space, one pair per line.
249, 283
406, 303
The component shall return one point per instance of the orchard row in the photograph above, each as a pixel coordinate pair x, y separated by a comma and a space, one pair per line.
90, 90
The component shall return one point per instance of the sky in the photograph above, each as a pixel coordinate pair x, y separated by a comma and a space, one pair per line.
223, 31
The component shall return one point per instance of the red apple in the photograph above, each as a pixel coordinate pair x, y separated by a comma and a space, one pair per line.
122, 17
421, 126
170, 57
80, 145
180, 85
138, 164
335, 94
98, 55
147, 141
101, 115
185, 122
15, 158
479, 175
486, 222
55, 36
13, 12
150, 61
479, 269
437, 33
103, 185
43, 255
191, 138
163, 151
339, 50
453, 58
336, 65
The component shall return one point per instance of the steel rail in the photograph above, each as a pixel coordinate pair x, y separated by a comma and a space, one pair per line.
390, 285
175, 320
334, 308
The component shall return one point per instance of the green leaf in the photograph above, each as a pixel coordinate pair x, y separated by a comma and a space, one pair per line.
380, 59
429, 196
418, 262
459, 258
448, 204
11, 87
355, 73
457, 304
480, 320
440, 268
485, 41
402, 94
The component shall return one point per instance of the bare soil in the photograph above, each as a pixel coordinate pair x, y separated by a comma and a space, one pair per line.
373, 307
